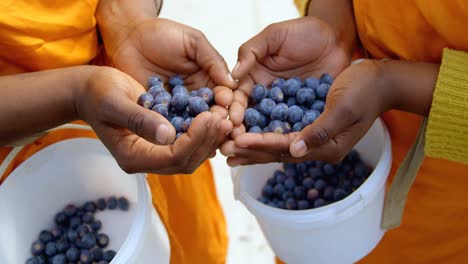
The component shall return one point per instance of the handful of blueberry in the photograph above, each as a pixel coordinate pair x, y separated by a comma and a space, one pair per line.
180, 106
75, 238
289, 105
314, 184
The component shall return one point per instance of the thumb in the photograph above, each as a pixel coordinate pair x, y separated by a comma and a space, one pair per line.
208, 58
329, 124
145, 123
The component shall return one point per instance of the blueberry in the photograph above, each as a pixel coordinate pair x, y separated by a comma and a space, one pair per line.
266, 129
328, 193
97, 254
102, 240
45, 236
291, 101
356, 182
176, 80
295, 114
73, 254
318, 105
333, 180
326, 78
37, 247
186, 115
277, 127
286, 195
278, 82
251, 117
187, 123
259, 92
320, 184
312, 83
123, 203
291, 87
80, 212
290, 172
50, 249
347, 186
83, 230
301, 168
290, 184
146, 100
59, 259
61, 219
361, 170
109, 255
156, 90
90, 206
271, 181
266, 106
299, 192
62, 246
303, 205
263, 200
297, 127
319, 203
329, 169
88, 241
279, 176
96, 225
279, 189
163, 98
197, 105
86, 257
103, 262
207, 95
339, 194
308, 183
273, 204
70, 210
36, 260
87, 218
353, 156
180, 89
312, 194
154, 80
315, 173
310, 117
276, 94
281, 204
179, 101
287, 127
178, 123
322, 90
280, 112
267, 190
193, 94
305, 96
255, 129
72, 235
75, 222
291, 204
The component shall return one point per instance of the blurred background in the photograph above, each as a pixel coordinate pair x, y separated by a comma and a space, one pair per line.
228, 24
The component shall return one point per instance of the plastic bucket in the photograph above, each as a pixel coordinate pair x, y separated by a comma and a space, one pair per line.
341, 232
75, 171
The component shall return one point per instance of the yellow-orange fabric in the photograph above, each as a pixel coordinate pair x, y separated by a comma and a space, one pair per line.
46, 34
434, 228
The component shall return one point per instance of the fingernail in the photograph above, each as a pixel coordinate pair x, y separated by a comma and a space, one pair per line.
162, 134
235, 67
230, 77
299, 149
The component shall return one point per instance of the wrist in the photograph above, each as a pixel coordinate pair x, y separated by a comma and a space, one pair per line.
83, 79
118, 18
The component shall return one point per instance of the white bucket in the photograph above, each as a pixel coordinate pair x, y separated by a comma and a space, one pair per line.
339, 233
75, 171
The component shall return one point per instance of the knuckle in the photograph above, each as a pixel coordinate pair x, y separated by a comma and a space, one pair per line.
135, 122
320, 136
347, 111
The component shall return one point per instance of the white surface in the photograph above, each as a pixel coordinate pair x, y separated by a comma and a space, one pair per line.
342, 232
61, 174
228, 24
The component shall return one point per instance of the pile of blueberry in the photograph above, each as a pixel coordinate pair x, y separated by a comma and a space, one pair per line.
288, 105
180, 107
314, 184
75, 238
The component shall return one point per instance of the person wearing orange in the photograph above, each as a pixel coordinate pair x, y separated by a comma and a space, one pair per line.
423, 80
47, 49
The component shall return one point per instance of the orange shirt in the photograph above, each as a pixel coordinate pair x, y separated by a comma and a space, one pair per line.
435, 226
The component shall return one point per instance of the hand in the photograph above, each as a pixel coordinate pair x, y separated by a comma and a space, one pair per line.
162, 47
301, 47
136, 136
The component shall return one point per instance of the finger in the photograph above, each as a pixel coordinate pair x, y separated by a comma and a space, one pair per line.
237, 131
335, 118
278, 143
211, 61
223, 96
141, 121
241, 101
247, 157
220, 111
254, 49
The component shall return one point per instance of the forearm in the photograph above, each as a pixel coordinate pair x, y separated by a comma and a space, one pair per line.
117, 18
33, 102
339, 15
